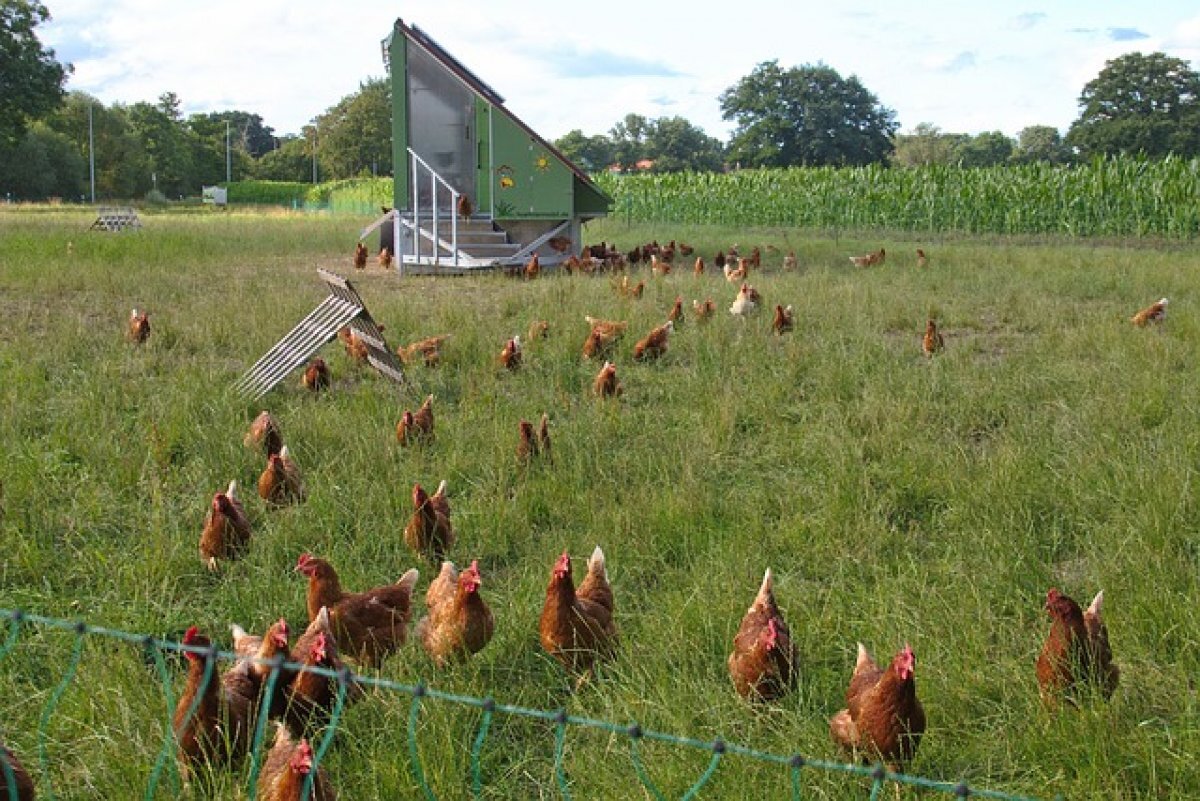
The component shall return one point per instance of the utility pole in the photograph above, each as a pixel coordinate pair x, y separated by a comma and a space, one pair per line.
91, 153
314, 155
228, 156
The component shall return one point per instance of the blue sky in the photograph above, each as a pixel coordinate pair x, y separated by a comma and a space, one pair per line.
963, 66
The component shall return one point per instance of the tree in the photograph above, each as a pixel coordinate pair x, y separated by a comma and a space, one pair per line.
168, 142
208, 145
31, 79
1041, 143
927, 144
122, 165
44, 164
247, 131
592, 153
629, 140
987, 149
355, 135
674, 145
291, 161
806, 115
1147, 104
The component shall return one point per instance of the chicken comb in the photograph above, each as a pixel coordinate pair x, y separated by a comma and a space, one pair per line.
471, 576
189, 636
302, 757
906, 662
281, 632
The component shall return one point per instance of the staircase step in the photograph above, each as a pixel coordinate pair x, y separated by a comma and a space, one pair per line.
480, 237
489, 251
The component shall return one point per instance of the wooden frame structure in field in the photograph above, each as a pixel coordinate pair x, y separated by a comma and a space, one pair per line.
343, 307
116, 218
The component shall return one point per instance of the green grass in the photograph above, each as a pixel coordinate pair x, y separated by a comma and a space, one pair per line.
897, 499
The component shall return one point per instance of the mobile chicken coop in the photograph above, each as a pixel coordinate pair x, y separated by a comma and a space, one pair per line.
453, 137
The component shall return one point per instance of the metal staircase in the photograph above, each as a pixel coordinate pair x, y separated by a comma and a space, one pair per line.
432, 238
474, 242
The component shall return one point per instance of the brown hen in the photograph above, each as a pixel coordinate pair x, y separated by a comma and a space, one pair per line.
264, 433
280, 482
1076, 653
368, 625
316, 375
429, 349
654, 344
459, 622
607, 385
577, 625
214, 717
226, 531
883, 719
1154, 313
139, 327
22, 781
429, 532
763, 662
286, 769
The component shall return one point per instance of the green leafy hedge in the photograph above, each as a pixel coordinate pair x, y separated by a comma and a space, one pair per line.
284, 193
353, 195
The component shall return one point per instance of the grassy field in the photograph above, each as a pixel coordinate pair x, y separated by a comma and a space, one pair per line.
897, 499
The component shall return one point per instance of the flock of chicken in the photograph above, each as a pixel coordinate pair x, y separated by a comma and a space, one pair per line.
214, 719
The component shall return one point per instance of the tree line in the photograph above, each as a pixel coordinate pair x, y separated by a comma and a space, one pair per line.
807, 115
1147, 105
153, 150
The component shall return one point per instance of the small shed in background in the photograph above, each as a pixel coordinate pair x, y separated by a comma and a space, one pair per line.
452, 136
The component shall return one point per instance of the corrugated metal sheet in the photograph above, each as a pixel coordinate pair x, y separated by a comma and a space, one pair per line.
342, 307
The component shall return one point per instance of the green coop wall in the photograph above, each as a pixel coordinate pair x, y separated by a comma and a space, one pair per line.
483, 172
530, 181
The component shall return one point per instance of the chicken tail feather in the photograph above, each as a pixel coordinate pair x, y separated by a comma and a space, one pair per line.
864, 657
596, 563
409, 579
768, 585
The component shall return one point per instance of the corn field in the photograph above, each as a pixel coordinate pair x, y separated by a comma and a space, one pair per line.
1123, 197
1107, 197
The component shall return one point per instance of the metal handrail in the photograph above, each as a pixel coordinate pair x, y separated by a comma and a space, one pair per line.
434, 180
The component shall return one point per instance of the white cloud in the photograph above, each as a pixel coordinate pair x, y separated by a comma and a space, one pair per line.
1023, 22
